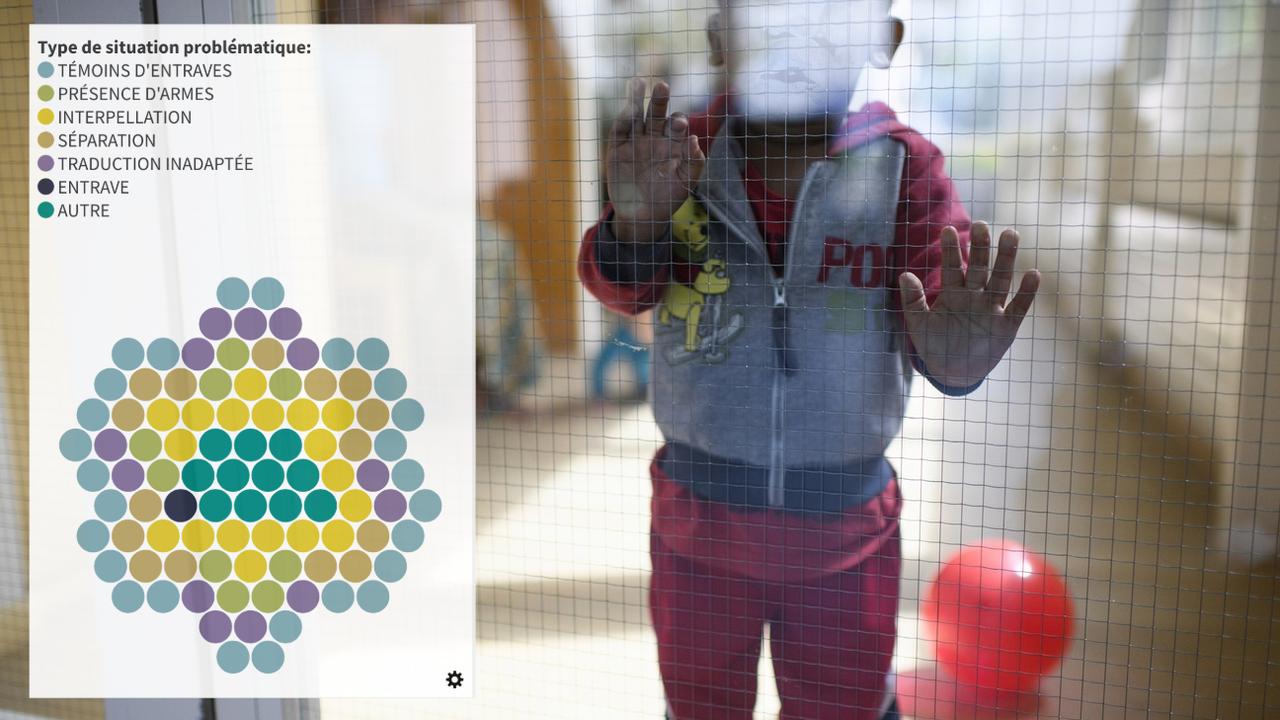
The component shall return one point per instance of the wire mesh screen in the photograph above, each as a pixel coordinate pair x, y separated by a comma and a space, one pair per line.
774, 418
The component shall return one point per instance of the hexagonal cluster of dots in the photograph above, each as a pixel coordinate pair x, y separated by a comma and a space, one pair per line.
250, 475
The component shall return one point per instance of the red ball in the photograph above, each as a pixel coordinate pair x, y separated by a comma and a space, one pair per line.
1000, 616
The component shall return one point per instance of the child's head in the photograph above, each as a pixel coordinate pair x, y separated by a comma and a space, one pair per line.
795, 62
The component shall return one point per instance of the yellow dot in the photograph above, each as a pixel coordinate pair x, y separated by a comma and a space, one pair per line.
250, 383
337, 475
250, 566
163, 414
355, 505
320, 444
197, 414
338, 414
337, 535
303, 535
303, 414
197, 535
267, 414
233, 414
162, 536
45, 116
233, 535
180, 445
268, 535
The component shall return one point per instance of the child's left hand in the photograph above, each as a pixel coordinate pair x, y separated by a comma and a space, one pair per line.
966, 332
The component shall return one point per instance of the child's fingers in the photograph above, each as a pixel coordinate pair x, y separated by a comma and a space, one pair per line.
1021, 302
952, 262
677, 127
1002, 276
979, 257
914, 304
696, 158
632, 113
657, 117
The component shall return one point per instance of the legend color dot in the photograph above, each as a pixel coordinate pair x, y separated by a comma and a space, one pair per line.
45, 116
45, 209
45, 93
45, 139
45, 163
45, 69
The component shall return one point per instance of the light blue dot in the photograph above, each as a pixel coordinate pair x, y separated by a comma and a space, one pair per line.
92, 536
389, 384
109, 566
127, 596
389, 566
407, 475
407, 415
373, 354
389, 445
110, 505
127, 354
93, 475
75, 445
337, 354
372, 596
163, 353
93, 414
162, 596
268, 657
45, 69
233, 657
424, 505
233, 293
285, 627
337, 596
268, 293
110, 384
407, 536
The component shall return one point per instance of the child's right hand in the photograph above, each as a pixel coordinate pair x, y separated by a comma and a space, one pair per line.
651, 164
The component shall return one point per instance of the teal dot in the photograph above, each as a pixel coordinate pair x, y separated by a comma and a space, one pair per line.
337, 596
407, 536
337, 354
407, 415
268, 657
92, 536
320, 505
233, 475
45, 69
110, 505
127, 596
215, 506
250, 445
110, 384
233, 657
233, 293
250, 505
268, 293
285, 445
407, 475
285, 505
93, 475
303, 475
75, 445
93, 414
285, 627
45, 209
424, 506
110, 566
389, 566
197, 475
163, 354
127, 354
372, 596
389, 384
162, 596
372, 354
215, 444
389, 445
267, 475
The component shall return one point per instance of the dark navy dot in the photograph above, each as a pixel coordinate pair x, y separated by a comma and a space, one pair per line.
180, 505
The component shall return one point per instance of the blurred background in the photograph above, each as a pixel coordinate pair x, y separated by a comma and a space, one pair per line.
1132, 435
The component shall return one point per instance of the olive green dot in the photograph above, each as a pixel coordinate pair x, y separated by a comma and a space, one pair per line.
144, 445
45, 93
268, 596
162, 475
215, 384
285, 566
233, 596
215, 566
233, 353
285, 384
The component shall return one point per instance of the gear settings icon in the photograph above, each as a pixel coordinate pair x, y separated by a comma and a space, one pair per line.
454, 679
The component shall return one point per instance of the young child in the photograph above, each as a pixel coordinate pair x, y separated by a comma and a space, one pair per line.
804, 260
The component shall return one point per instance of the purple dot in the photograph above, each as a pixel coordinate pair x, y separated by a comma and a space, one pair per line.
197, 596
45, 163
127, 475
303, 353
250, 323
286, 323
372, 475
389, 505
303, 596
110, 444
251, 626
197, 354
215, 323
215, 626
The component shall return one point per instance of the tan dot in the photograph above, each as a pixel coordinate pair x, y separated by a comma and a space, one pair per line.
144, 566
355, 444
372, 535
127, 536
128, 414
145, 384
180, 384
268, 353
355, 566
145, 505
180, 566
355, 384
320, 566
320, 384
372, 414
